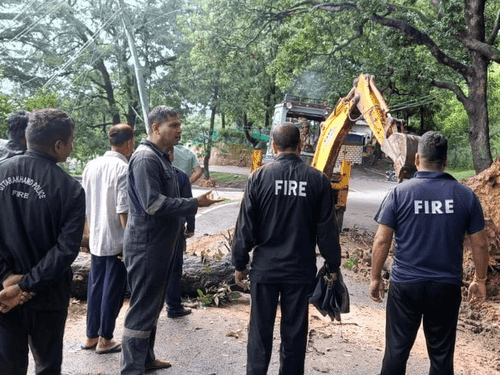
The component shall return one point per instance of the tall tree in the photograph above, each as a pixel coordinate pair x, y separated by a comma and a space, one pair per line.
459, 36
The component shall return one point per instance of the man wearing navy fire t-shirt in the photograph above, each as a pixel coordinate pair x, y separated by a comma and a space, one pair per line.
429, 216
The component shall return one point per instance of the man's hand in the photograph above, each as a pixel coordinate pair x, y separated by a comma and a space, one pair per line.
241, 279
11, 280
476, 292
377, 290
10, 297
205, 200
188, 234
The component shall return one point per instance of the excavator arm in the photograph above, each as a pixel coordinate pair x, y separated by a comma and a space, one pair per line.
364, 100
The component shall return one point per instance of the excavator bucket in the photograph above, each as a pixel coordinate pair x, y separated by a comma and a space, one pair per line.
401, 149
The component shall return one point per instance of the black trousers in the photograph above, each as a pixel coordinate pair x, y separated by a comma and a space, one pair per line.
294, 302
40, 330
436, 305
107, 283
173, 297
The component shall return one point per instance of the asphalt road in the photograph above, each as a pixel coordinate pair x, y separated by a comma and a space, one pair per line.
367, 190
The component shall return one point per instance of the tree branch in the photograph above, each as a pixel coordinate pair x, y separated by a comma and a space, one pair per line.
416, 35
97, 83
484, 49
453, 87
100, 125
336, 7
496, 28
421, 38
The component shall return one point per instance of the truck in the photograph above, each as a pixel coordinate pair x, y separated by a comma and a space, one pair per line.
294, 108
364, 101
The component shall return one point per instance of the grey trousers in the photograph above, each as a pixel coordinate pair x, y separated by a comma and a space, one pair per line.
147, 271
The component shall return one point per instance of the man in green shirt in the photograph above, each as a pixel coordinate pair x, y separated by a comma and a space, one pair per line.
187, 161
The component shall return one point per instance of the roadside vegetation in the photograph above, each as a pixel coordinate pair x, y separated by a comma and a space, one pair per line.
224, 64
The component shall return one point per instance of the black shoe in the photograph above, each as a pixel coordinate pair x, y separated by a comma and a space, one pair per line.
177, 314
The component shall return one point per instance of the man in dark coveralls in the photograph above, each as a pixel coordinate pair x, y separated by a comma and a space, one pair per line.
429, 216
287, 209
16, 145
153, 227
41, 227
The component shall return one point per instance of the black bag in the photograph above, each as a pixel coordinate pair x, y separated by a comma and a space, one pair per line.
330, 295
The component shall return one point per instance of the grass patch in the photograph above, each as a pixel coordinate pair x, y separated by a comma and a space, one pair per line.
461, 175
227, 177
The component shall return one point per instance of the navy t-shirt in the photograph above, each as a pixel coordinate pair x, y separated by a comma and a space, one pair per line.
430, 215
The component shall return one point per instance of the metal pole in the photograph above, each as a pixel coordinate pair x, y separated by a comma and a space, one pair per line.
137, 67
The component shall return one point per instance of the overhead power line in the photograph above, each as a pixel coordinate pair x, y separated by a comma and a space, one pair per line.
80, 51
27, 29
22, 11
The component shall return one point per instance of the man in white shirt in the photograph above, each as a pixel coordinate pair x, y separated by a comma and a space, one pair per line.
105, 182
187, 161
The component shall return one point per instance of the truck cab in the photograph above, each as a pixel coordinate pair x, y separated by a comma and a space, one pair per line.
301, 111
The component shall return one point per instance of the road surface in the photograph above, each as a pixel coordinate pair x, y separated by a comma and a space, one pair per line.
368, 189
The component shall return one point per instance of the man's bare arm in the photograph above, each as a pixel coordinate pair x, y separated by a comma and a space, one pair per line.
123, 220
381, 246
86, 234
480, 257
195, 174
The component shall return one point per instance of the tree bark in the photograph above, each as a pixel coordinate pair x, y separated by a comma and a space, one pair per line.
196, 274
108, 87
477, 110
206, 159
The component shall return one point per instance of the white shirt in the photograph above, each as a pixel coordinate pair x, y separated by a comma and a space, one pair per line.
105, 182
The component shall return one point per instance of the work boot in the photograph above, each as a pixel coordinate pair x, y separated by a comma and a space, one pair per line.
179, 313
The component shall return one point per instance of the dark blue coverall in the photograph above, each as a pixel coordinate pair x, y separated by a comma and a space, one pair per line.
153, 228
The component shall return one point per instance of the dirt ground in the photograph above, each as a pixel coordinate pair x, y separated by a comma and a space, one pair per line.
478, 345
358, 341
477, 349
361, 333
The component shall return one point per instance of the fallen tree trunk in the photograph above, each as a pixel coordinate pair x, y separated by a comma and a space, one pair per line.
198, 273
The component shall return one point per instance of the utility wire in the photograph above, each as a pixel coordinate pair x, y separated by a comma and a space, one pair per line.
80, 51
21, 12
34, 24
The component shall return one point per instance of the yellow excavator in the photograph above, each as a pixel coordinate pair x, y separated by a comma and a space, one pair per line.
363, 101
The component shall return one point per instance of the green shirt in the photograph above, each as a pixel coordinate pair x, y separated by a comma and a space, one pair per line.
185, 159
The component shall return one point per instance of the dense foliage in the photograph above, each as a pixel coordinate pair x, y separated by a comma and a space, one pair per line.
225, 63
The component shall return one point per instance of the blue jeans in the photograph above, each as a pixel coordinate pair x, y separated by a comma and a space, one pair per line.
107, 282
